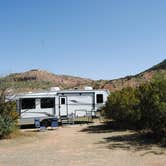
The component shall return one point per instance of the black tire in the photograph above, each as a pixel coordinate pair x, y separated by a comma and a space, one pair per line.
45, 123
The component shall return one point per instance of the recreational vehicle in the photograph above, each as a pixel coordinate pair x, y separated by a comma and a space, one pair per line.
59, 103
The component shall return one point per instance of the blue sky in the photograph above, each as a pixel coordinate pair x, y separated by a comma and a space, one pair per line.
98, 39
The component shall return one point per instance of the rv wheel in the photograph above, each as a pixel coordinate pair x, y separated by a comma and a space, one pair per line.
45, 123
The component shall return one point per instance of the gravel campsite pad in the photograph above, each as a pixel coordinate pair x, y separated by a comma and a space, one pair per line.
80, 145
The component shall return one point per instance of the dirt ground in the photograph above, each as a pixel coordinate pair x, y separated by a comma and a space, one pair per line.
81, 145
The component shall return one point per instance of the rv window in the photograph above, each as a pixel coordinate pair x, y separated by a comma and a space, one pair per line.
47, 102
28, 103
63, 100
99, 98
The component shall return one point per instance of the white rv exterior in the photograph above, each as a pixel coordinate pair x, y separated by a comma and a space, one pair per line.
59, 103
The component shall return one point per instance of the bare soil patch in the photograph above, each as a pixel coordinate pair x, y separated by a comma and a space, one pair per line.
81, 145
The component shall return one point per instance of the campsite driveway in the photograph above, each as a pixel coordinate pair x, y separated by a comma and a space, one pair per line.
80, 145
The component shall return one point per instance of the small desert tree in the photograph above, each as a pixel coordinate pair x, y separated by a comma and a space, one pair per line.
8, 115
8, 118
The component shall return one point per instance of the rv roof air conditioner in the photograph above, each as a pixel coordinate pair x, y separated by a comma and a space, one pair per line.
54, 89
88, 88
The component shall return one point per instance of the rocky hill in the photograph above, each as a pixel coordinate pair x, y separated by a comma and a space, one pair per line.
133, 81
36, 80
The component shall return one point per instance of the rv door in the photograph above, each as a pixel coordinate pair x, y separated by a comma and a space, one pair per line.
63, 106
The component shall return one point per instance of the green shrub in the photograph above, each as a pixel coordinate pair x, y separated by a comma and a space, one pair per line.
143, 107
122, 106
8, 118
153, 105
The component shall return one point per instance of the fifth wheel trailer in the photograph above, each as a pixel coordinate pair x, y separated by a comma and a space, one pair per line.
59, 103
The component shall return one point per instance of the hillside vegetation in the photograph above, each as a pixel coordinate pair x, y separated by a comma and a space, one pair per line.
36, 80
160, 66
